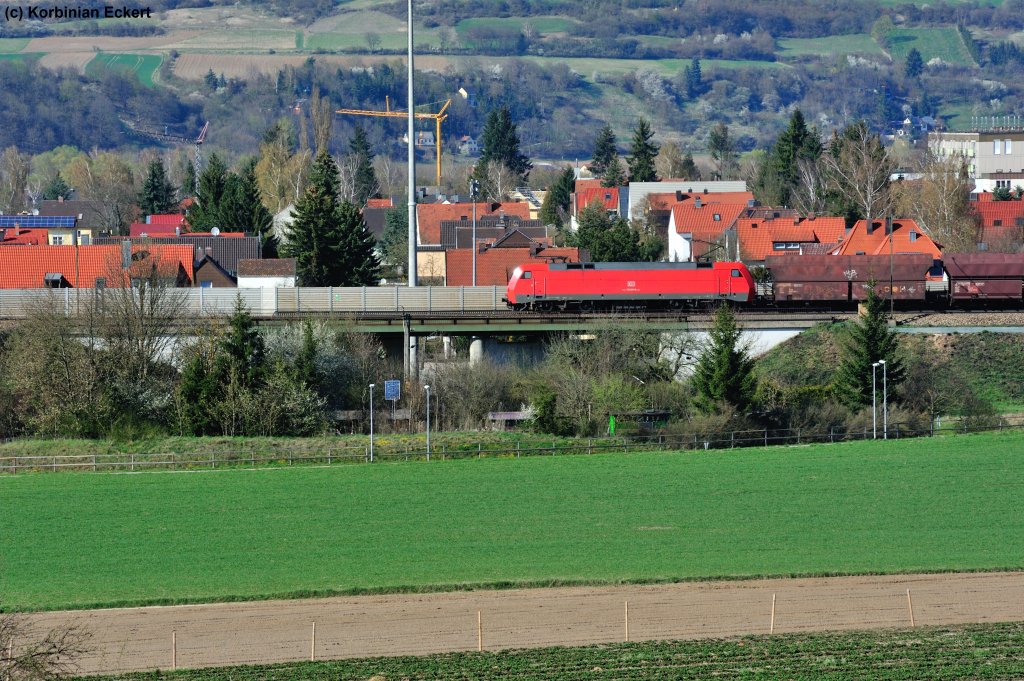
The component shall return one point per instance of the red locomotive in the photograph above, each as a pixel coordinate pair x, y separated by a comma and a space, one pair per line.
616, 285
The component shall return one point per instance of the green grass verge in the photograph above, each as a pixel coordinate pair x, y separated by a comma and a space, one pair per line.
9, 45
944, 43
972, 651
22, 55
143, 66
858, 43
949, 503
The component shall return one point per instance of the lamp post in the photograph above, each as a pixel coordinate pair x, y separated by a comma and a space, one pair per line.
874, 404
372, 386
427, 388
885, 400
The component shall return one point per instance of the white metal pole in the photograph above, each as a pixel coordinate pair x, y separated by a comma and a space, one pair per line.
885, 399
473, 184
427, 388
371, 422
874, 404
411, 159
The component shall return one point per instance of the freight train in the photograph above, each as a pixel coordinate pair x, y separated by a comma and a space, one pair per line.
912, 280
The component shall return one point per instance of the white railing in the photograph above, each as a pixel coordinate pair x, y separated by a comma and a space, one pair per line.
269, 302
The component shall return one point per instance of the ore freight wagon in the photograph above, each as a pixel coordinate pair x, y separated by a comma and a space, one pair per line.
614, 285
807, 279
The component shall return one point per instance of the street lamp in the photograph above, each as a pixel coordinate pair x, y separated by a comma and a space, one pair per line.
372, 386
427, 388
885, 400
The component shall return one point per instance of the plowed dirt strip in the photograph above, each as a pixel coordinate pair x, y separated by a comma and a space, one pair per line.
133, 639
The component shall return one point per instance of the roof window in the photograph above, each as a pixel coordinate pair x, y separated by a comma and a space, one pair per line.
717, 217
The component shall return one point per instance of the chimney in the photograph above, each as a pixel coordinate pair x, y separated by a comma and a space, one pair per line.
60, 199
888, 226
679, 195
126, 254
870, 227
696, 202
705, 190
177, 231
810, 217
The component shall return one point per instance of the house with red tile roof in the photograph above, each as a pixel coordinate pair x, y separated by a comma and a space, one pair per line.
697, 224
20, 236
494, 265
610, 198
1000, 223
380, 203
882, 236
89, 266
430, 215
759, 236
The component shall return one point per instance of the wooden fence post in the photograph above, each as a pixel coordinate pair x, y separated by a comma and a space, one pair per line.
174, 649
627, 620
312, 645
479, 633
910, 607
771, 627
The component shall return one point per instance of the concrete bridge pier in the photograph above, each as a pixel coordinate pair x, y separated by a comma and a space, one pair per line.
476, 350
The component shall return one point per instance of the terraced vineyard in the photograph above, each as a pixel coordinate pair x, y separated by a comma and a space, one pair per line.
980, 651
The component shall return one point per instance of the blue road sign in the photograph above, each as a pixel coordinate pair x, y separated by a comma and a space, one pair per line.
392, 390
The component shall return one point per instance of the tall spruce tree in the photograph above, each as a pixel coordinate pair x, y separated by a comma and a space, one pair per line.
158, 194
241, 353
359, 265
614, 175
241, 209
204, 214
188, 178
689, 168
723, 151
725, 371
869, 340
778, 175
604, 150
56, 188
642, 153
328, 238
914, 64
365, 180
694, 80
500, 142
558, 199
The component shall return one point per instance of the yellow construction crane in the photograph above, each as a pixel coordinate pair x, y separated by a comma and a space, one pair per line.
388, 113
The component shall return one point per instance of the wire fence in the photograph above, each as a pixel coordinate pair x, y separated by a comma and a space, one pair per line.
363, 453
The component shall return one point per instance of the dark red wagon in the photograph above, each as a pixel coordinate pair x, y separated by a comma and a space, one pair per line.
847, 278
997, 277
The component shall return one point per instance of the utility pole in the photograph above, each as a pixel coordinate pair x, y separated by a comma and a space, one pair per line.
474, 190
413, 358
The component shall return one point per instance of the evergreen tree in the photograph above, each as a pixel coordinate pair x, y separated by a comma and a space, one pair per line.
312, 236
358, 262
500, 142
694, 80
188, 178
56, 188
914, 64
204, 214
242, 211
724, 372
778, 174
604, 151
722, 150
305, 361
558, 199
198, 392
607, 239
641, 154
328, 239
1002, 194
394, 242
210, 79
869, 341
365, 180
241, 353
689, 168
158, 194
614, 175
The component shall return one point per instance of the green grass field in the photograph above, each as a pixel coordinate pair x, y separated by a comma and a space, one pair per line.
973, 651
949, 503
541, 24
944, 43
21, 55
144, 66
9, 45
859, 43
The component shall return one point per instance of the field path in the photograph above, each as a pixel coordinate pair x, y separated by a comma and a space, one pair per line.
416, 624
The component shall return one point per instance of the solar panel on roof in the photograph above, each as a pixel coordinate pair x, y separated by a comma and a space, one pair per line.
31, 221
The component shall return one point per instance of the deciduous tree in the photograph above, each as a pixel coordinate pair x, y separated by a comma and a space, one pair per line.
859, 168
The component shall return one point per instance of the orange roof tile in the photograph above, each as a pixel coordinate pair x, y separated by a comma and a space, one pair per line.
26, 267
707, 218
430, 215
607, 196
495, 266
878, 242
586, 184
173, 219
758, 236
380, 203
25, 237
997, 217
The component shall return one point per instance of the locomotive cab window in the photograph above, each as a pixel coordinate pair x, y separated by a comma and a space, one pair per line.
527, 275
735, 273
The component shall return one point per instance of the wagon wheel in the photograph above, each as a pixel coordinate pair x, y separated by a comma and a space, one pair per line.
587, 306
